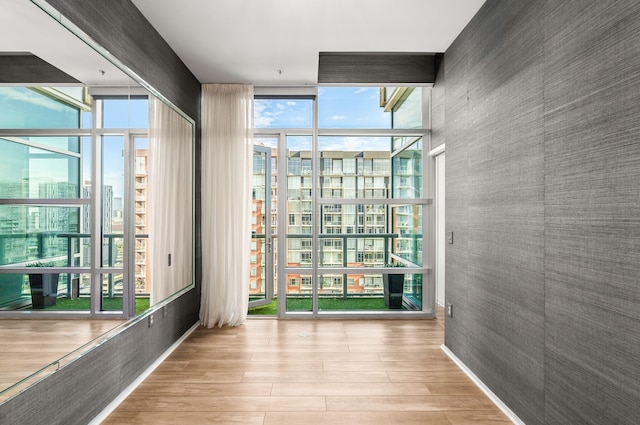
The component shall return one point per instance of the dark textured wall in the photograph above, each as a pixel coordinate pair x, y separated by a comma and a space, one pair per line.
542, 108
375, 68
592, 212
30, 69
438, 104
78, 392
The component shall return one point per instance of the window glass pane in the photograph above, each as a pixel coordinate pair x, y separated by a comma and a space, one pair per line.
45, 291
363, 291
112, 196
112, 291
370, 107
44, 234
369, 161
29, 172
298, 183
299, 292
351, 107
342, 171
354, 235
33, 108
283, 113
405, 105
412, 291
141, 166
86, 164
125, 113
399, 142
407, 225
407, 172
299, 253
270, 142
257, 271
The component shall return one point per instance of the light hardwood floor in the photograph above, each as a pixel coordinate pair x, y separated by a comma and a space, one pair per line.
310, 372
27, 346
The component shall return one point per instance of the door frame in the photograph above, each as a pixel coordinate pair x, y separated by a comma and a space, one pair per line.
438, 155
268, 251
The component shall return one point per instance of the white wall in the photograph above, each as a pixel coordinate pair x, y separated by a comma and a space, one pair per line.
440, 226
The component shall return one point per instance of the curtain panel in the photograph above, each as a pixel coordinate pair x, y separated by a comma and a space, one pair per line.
170, 210
227, 155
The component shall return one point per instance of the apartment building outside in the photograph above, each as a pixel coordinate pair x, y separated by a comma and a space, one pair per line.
143, 283
344, 229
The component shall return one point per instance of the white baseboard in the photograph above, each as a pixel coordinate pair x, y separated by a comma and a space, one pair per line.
494, 398
124, 394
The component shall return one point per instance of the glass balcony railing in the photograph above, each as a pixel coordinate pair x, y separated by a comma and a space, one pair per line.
50, 253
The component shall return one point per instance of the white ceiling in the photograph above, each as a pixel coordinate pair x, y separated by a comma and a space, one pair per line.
248, 41
25, 28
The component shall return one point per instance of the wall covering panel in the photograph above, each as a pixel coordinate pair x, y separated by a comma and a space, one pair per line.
542, 108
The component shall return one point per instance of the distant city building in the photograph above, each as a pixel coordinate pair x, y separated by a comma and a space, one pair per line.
118, 210
107, 209
13, 221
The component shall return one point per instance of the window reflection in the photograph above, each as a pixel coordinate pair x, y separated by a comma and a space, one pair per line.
47, 194
41, 107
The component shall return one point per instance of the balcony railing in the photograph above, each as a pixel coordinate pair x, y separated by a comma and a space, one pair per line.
19, 250
344, 263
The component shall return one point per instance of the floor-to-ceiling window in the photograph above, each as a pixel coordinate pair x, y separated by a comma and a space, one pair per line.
64, 157
74, 204
354, 198
40, 183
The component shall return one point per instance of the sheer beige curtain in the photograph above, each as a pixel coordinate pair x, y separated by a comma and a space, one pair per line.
170, 208
227, 155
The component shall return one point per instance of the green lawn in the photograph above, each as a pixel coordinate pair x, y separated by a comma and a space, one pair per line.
293, 304
325, 304
108, 304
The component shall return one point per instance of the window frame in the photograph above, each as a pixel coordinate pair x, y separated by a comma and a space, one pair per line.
321, 168
96, 270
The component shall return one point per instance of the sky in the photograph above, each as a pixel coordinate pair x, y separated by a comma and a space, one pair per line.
351, 107
338, 108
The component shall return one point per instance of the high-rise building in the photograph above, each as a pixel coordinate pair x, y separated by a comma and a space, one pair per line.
257, 272
343, 174
107, 209
142, 272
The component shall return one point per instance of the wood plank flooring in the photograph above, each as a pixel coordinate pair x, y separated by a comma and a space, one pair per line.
310, 372
27, 346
